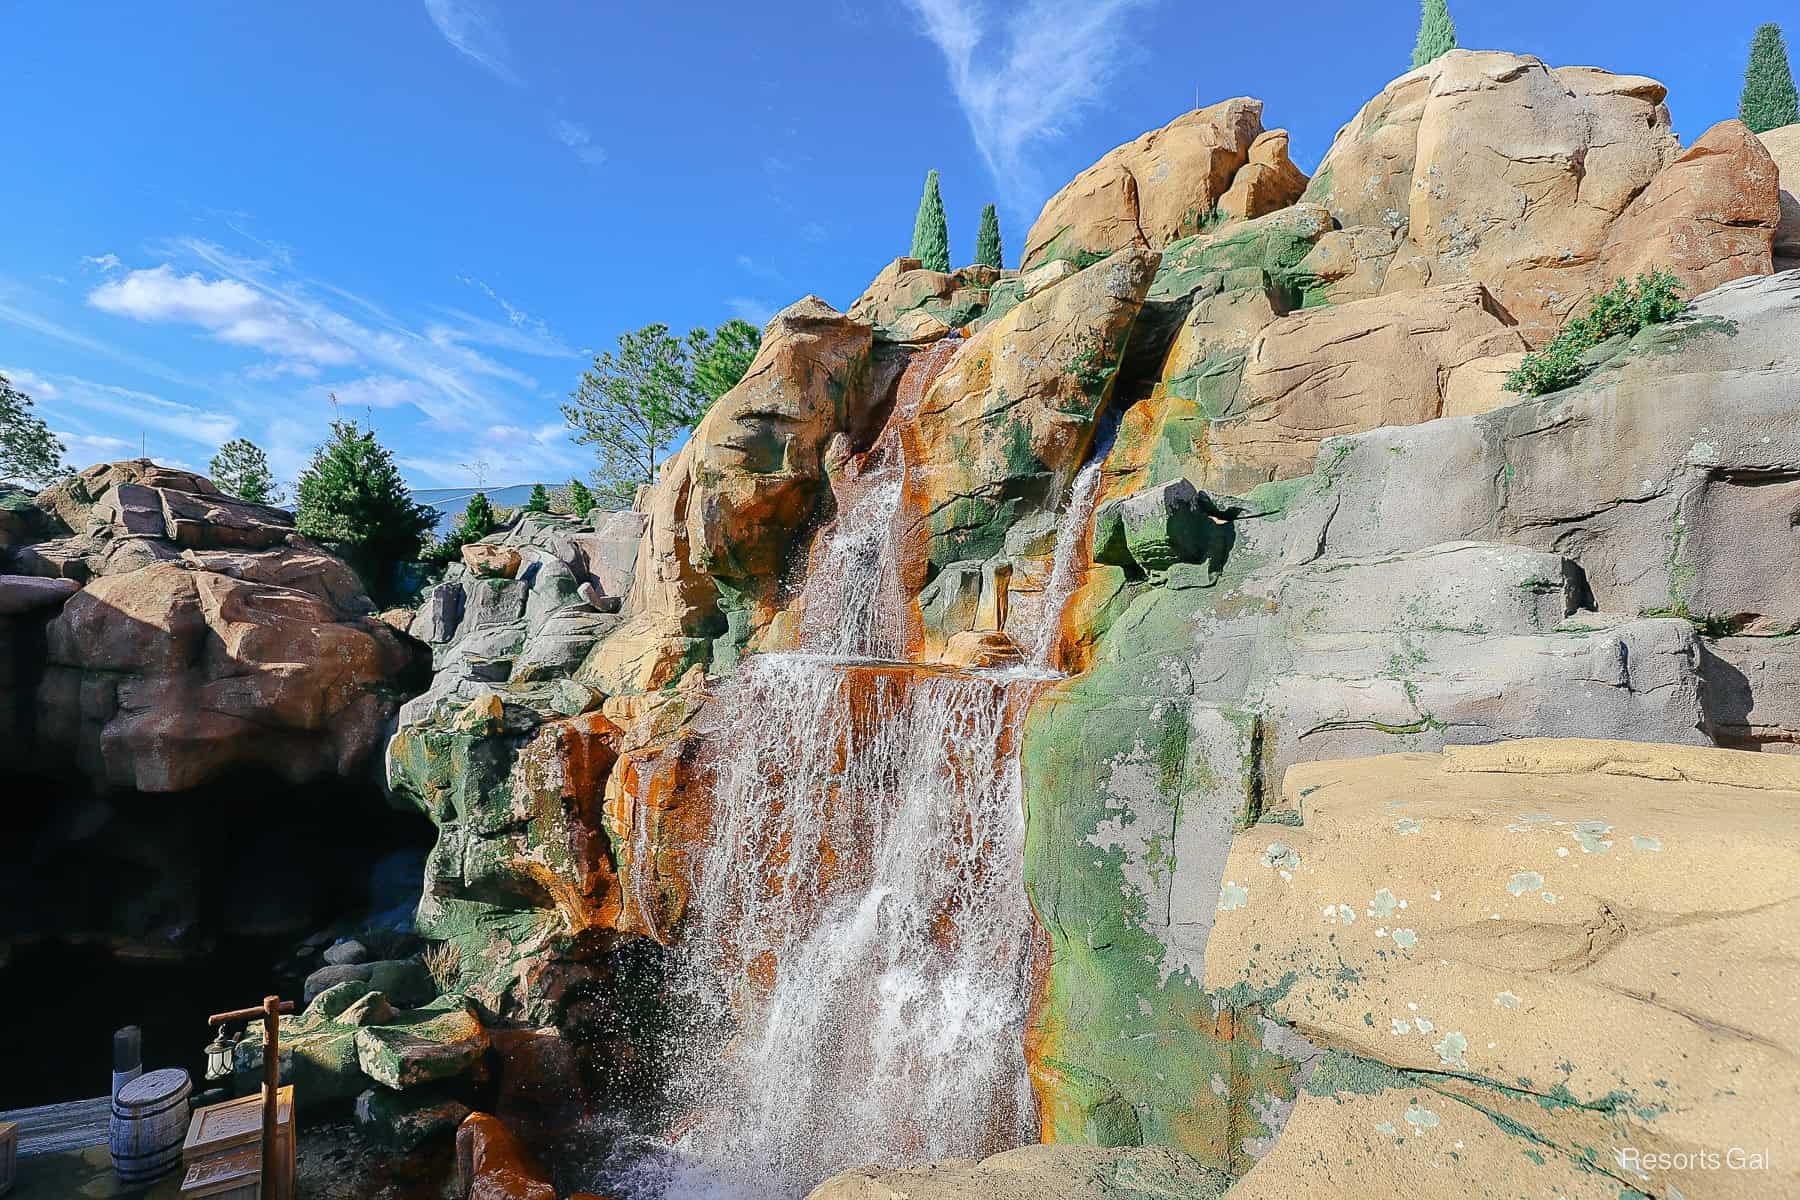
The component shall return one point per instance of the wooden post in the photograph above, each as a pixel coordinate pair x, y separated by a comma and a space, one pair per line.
270, 1011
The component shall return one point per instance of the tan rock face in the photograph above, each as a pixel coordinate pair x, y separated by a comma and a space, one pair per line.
728, 505
1584, 938
495, 562
1710, 216
1008, 421
1494, 168
165, 677
1267, 181
1347, 368
1156, 189
1783, 146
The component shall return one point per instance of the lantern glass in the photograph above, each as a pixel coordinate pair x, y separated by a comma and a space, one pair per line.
218, 1055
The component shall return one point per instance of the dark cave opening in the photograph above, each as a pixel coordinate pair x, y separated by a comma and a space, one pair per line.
125, 908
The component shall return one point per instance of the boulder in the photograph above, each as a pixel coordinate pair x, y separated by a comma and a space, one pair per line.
1149, 192
1710, 216
1038, 1173
420, 1047
491, 1164
405, 1121
346, 952
165, 677
29, 593
1151, 531
1490, 168
1783, 146
1267, 181
491, 561
1522, 970
1346, 368
330, 979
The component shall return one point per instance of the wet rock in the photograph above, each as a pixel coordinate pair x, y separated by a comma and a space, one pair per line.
327, 978
406, 1121
1154, 530
491, 1163
422, 1046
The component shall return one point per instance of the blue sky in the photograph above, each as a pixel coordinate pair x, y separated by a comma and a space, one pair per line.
217, 212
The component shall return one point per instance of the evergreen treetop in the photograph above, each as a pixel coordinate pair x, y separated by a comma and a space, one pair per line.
539, 501
352, 494
28, 450
241, 469
987, 242
1437, 32
931, 232
1769, 100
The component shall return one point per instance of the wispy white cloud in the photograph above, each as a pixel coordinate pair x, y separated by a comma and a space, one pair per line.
577, 138
760, 269
263, 372
30, 382
68, 396
474, 30
509, 454
757, 312
1021, 77
82, 450
102, 262
522, 332
230, 311
378, 391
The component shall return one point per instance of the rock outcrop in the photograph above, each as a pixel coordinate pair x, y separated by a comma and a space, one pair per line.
207, 637
1783, 146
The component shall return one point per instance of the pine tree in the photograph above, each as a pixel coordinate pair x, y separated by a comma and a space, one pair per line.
931, 232
632, 406
352, 494
581, 500
987, 241
539, 501
241, 469
1437, 32
477, 518
718, 359
1769, 99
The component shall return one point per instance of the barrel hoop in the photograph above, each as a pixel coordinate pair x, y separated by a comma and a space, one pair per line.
139, 1114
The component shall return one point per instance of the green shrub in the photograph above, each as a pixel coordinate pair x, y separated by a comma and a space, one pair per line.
1626, 307
931, 231
539, 501
477, 522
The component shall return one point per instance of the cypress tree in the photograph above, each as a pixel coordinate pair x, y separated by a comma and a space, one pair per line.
581, 500
1437, 32
931, 232
987, 242
1769, 99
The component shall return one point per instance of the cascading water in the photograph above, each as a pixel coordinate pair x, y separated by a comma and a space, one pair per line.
857, 924
860, 914
1071, 546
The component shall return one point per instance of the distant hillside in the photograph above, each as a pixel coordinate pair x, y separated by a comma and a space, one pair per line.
450, 502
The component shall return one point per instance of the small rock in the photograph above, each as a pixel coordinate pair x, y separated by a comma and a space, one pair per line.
332, 1002
327, 977
347, 952
371, 1008
492, 562
406, 1121
595, 600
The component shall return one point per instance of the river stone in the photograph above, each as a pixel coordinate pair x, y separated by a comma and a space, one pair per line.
346, 952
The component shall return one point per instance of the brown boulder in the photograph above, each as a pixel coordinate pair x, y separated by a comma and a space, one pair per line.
1347, 368
1492, 168
73, 499
1151, 191
492, 1164
1268, 181
1710, 216
495, 562
165, 677
1783, 146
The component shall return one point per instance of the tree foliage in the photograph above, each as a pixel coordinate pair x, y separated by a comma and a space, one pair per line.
720, 357
1625, 308
931, 232
632, 405
28, 450
352, 494
477, 520
581, 501
539, 500
241, 469
1769, 100
987, 242
1437, 32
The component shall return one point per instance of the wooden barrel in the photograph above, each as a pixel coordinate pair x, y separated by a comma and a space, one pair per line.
149, 1121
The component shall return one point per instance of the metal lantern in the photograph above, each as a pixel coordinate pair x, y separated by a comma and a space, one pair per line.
219, 1055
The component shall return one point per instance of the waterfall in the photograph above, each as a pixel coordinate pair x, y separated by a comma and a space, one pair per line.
854, 606
1071, 550
859, 919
